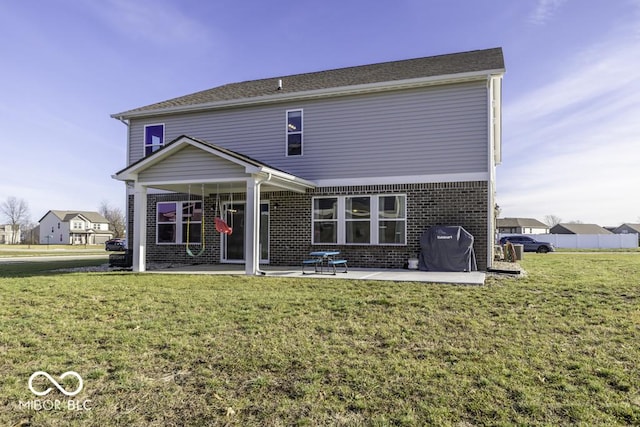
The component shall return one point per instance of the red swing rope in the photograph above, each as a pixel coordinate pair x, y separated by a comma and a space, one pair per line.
221, 225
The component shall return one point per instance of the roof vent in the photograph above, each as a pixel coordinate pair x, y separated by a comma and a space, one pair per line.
279, 84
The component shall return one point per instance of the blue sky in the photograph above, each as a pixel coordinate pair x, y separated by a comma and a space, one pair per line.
571, 101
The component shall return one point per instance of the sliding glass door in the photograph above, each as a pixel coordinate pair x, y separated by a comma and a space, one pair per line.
233, 245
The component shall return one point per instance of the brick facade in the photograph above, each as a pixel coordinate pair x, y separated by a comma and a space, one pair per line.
452, 203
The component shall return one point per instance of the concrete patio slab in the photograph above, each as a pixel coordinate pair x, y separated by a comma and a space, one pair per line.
469, 278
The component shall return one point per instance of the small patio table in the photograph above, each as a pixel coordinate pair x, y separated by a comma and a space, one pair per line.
322, 258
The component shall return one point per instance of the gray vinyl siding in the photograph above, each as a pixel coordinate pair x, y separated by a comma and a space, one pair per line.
435, 130
191, 163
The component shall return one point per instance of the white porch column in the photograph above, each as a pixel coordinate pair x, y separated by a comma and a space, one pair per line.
139, 243
251, 228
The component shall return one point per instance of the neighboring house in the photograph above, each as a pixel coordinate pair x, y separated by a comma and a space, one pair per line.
628, 229
521, 226
578, 229
361, 160
74, 228
9, 236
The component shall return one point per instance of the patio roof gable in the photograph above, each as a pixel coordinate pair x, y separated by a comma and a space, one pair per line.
191, 160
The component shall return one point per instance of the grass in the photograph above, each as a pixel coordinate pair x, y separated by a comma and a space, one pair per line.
617, 250
558, 347
7, 251
22, 268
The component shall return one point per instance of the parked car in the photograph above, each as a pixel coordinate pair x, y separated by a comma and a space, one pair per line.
115, 245
530, 244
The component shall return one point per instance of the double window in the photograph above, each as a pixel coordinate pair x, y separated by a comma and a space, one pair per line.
153, 138
179, 222
360, 220
294, 133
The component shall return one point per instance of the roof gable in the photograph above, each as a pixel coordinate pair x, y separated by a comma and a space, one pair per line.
181, 142
629, 227
488, 60
191, 146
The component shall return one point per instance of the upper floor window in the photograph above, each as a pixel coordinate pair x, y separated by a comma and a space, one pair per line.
153, 138
294, 133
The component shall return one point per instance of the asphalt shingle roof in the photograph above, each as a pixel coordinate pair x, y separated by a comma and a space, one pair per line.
579, 229
450, 64
521, 222
94, 217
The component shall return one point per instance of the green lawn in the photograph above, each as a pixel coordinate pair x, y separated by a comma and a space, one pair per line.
7, 251
558, 347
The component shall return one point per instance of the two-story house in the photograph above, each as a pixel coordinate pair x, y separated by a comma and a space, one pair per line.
361, 160
9, 234
73, 228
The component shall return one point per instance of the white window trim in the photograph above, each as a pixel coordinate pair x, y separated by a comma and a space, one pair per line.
378, 219
374, 219
286, 133
178, 223
144, 139
373, 200
340, 228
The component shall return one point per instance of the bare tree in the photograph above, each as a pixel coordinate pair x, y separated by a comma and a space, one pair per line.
552, 220
16, 213
115, 217
30, 233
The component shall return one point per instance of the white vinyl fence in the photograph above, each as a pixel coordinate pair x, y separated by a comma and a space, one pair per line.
586, 241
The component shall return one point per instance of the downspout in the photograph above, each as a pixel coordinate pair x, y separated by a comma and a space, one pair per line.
256, 219
128, 186
492, 173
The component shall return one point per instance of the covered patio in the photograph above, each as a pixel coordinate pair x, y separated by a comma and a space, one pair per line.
394, 275
191, 166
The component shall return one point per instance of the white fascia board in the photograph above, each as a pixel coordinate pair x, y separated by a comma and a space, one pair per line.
408, 179
152, 184
297, 181
319, 93
82, 217
287, 185
128, 173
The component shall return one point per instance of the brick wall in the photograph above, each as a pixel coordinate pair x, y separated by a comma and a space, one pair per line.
457, 203
462, 204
